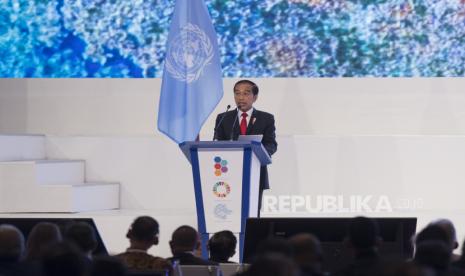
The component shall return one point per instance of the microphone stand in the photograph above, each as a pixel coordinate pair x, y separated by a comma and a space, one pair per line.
219, 123
232, 129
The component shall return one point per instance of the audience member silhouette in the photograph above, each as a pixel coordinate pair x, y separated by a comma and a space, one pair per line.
222, 246
307, 254
142, 235
11, 244
449, 228
83, 236
185, 240
11, 251
40, 238
433, 250
301, 255
363, 239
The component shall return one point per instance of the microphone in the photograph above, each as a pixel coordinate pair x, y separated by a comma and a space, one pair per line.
232, 129
219, 123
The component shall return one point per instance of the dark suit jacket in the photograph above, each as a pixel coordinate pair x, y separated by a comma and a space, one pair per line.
260, 123
189, 259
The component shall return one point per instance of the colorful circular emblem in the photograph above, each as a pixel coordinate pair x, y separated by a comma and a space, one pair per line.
221, 166
221, 189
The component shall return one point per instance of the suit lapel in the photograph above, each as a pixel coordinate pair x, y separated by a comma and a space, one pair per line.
253, 120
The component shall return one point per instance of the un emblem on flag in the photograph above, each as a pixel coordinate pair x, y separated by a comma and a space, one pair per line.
188, 54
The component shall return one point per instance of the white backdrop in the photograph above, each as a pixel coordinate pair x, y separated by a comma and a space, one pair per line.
332, 106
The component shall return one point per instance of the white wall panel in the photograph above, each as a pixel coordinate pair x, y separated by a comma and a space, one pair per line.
324, 106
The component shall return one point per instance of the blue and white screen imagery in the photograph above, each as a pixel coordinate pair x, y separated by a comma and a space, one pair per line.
257, 38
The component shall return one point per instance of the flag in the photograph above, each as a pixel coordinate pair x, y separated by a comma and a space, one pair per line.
192, 83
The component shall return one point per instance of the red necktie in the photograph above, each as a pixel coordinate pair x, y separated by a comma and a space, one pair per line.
244, 123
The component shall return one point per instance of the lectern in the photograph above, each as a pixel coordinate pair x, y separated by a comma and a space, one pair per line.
226, 184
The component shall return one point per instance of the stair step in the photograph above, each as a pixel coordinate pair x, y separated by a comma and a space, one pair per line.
66, 198
60, 171
31, 183
21, 147
95, 196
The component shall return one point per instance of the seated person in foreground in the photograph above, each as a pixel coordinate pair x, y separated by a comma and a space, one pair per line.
433, 250
364, 240
83, 236
11, 250
142, 235
222, 246
184, 242
307, 254
449, 229
42, 235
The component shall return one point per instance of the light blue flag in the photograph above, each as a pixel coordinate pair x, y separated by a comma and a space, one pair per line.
192, 82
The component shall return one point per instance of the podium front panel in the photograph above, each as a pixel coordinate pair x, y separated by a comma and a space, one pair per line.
254, 187
221, 174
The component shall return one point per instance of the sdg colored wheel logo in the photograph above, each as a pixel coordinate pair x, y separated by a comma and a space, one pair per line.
221, 189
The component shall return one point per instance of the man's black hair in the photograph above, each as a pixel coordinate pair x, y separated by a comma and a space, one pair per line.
363, 232
144, 228
251, 83
82, 235
222, 245
185, 237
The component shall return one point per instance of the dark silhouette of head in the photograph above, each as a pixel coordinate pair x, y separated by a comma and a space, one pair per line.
432, 233
363, 234
184, 239
11, 243
449, 228
432, 247
41, 236
82, 235
143, 232
222, 246
307, 251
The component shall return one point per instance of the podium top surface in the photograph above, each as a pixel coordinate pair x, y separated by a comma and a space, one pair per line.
257, 148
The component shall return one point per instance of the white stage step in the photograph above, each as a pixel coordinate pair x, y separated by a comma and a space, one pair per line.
60, 171
21, 147
31, 183
21, 192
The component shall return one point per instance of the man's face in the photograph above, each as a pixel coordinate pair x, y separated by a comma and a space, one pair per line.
244, 97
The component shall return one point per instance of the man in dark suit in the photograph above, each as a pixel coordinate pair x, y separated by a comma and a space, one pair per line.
247, 120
